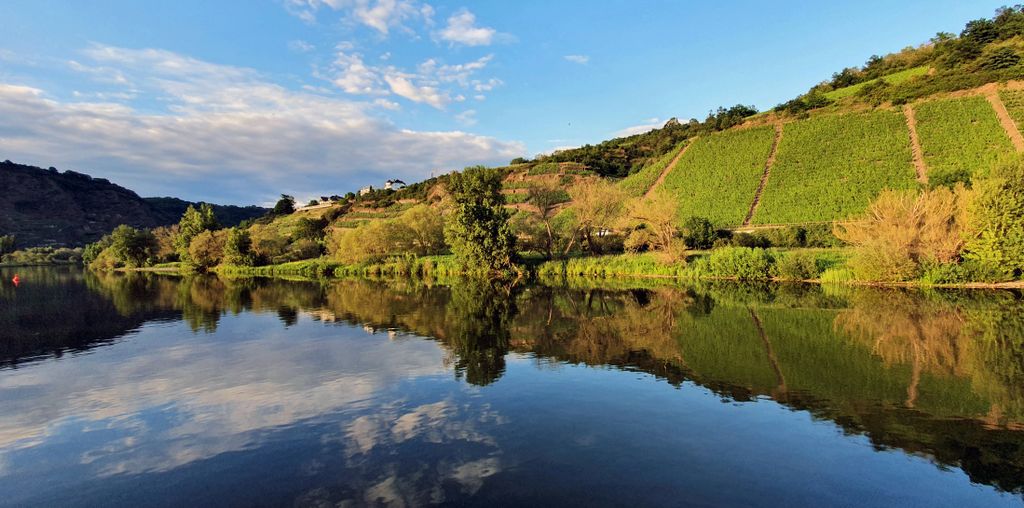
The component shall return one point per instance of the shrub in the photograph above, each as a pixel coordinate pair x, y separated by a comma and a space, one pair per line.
743, 263
752, 240
798, 266
699, 233
996, 221
903, 231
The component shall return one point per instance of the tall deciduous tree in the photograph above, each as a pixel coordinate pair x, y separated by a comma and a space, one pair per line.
546, 197
596, 205
192, 223
478, 228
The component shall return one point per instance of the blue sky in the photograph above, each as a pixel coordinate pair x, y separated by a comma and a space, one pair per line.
238, 101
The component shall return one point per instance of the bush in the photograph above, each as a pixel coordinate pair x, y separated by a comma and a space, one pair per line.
798, 266
996, 221
903, 232
699, 233
206, 250
752, 240
743, 263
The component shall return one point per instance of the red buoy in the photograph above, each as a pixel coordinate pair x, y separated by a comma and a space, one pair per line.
16, 280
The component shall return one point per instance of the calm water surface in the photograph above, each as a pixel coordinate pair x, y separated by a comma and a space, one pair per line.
142, 390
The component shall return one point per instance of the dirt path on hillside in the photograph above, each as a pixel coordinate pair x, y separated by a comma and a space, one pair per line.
992, 94
915, 145
668, 169
764, 177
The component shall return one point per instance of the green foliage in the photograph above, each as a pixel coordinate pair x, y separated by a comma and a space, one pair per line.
284, 206
799, 265
192, 223
959, 137
621, 156
637, 265
999, 58
996, 221
638, 183
719, 175
837, 275
238, 248
131, 247
891, 79
743, 263
477, 228
33, 256
206, 250
699, 233
831, 167
1014, 102
309, 228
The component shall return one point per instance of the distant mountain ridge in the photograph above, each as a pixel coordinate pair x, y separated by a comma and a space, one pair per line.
48, 207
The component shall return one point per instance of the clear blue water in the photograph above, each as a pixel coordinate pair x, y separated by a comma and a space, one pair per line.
158, 391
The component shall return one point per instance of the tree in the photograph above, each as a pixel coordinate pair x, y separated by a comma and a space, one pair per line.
285, 205
207, 249
192, 223
425, 230
238, 248
546, 197
7, 244
657, 214
699, 233
597, 205
312, 229
131, 247
996, 220
477, 227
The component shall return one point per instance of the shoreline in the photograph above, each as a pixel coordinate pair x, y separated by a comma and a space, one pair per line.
326, 270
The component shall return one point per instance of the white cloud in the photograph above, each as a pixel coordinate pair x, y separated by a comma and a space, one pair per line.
380, 15
467, 117
433, 83
354, 76
226, 133
403, 87
647, 125
462, 29
580, 59
300, 46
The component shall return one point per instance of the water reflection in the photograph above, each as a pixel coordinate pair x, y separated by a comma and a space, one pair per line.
187, 371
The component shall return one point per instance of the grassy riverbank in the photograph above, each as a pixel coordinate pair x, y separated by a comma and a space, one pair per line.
814, 266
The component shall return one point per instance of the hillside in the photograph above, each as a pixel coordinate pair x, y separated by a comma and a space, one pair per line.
48, 207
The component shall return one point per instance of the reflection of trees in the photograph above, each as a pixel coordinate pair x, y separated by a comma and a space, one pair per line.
480, 314
951, 336
940, 375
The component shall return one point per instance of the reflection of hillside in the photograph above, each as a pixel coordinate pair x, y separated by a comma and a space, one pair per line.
56, 311
940, 375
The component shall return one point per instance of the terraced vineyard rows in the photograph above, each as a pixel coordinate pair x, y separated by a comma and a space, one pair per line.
638, 183
959, 136
719, 174
1014, 102
831, 167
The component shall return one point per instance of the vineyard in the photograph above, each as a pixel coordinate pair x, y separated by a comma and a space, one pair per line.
831, 167
958, 136
637, 183
1014, 102
719, 174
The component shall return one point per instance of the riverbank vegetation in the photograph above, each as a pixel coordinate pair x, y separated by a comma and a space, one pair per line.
836, 186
